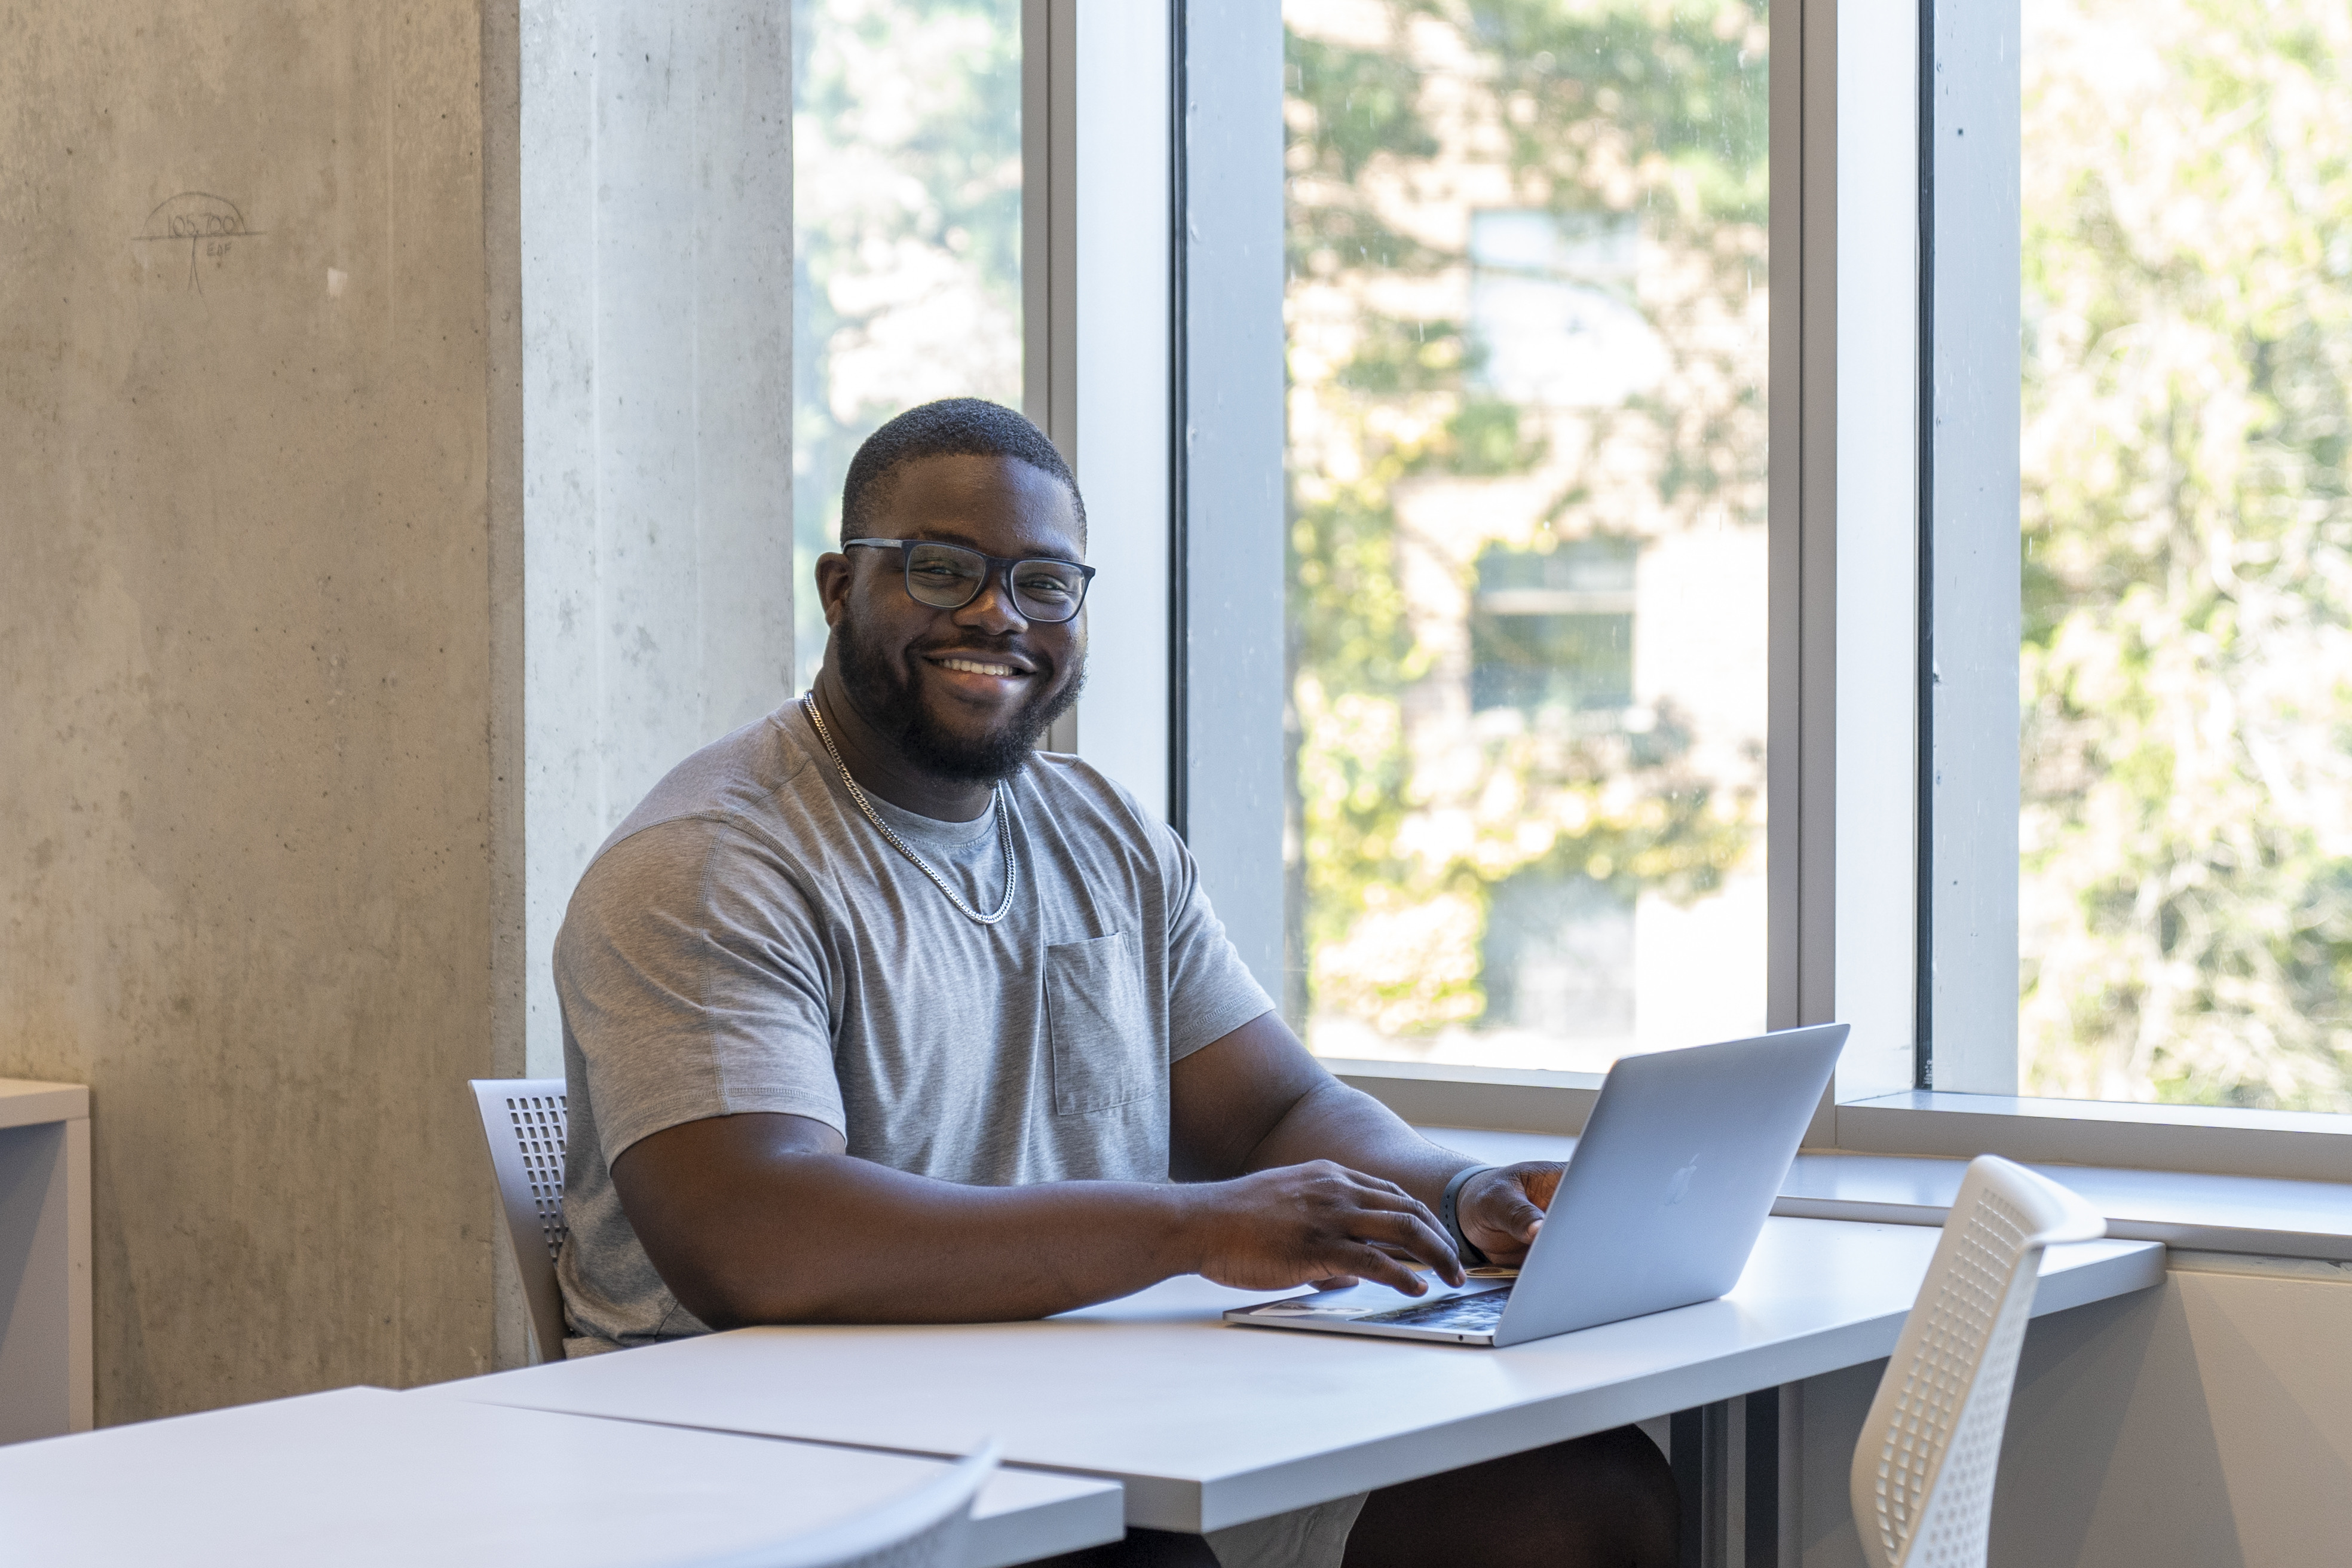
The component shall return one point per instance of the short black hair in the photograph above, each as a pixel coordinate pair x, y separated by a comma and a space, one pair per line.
952, 427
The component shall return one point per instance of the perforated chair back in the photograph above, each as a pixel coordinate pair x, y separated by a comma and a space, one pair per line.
1923, 1473
523, 1118
926, 1528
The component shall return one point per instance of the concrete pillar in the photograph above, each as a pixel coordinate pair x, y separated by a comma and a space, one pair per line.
656, 157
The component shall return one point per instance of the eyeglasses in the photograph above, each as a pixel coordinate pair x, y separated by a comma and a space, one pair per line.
948, 577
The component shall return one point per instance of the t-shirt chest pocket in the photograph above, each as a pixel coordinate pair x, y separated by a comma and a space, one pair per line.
1104, 1052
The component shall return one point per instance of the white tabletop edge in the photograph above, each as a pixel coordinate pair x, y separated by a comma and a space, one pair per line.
25, 1102
1022, 1514
2130, 1265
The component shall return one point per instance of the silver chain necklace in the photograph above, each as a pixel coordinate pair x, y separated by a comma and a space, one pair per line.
1003, 826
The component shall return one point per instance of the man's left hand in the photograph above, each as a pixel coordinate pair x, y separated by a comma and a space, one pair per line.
1501, 1210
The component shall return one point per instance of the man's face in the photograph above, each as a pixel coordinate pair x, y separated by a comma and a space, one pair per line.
966, 692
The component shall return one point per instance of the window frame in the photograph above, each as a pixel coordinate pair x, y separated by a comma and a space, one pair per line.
1183, 700
1097, 345
1965, 1099
1969, 580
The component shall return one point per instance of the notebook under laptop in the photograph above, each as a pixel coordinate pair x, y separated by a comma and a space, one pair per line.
1660, 1206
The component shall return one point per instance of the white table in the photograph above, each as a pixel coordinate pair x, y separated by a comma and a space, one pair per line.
365, 1476
45, 1306
1208, 1424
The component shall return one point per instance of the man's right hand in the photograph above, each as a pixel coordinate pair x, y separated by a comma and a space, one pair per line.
1298, 1225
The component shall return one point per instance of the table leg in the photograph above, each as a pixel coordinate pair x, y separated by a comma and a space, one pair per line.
1696, 1451
1759, 1521
1726, 1462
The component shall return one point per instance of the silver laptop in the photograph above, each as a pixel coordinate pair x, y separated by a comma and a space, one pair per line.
1660, 1206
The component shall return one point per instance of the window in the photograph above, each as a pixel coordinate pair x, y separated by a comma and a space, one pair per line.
2036, 424
2177, 668
906, 236
1526, 334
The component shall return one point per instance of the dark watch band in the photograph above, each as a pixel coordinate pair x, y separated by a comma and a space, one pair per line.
1471, 1257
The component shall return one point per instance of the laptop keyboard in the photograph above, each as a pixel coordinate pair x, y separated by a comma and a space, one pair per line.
1477, 1313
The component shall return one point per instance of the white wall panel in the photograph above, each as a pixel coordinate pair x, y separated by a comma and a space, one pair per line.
2205, 1424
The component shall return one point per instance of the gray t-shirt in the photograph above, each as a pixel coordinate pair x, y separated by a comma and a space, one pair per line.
745, 941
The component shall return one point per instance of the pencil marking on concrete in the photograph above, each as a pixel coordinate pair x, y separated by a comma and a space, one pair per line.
208, 225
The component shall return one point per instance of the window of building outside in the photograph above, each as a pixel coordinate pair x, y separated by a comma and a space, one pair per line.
2185, 878
1526, 347
907, 236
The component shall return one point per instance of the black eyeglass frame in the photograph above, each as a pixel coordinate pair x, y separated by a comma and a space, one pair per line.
990, 567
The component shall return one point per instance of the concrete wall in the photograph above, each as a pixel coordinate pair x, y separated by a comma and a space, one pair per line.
258, 617
2205, 1424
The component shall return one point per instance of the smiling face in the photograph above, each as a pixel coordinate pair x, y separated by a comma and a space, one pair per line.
963, 693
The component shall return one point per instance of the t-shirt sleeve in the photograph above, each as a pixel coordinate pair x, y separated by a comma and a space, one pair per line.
1211, 991
693, 981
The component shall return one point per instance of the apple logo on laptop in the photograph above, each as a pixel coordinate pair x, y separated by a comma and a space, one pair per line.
1678, 1186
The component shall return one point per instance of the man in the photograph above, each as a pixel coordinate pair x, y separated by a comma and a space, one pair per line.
872, 1012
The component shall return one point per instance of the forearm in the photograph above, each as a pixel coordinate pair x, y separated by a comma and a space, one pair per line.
762, 1218
827, 1238
1333, 1121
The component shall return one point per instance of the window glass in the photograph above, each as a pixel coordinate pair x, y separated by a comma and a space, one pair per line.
905, 232
2185, 869
1527, 345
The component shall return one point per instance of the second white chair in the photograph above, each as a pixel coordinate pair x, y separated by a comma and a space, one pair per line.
1923, 1474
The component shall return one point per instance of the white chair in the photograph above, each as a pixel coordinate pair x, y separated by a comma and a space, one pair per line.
523, 1118
926, 1528
1923, 1473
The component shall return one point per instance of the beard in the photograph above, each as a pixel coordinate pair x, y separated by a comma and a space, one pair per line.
887, 698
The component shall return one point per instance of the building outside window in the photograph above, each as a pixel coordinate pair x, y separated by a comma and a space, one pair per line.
1527, 349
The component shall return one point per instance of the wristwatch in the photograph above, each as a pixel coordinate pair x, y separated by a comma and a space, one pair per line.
1471, 1257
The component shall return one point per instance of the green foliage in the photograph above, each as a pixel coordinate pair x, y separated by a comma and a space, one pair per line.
1675, 90
948, 126
1407, 359
1360, 103
1345, 107
1353, 655
1487, 436
2187, 916
906, 212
